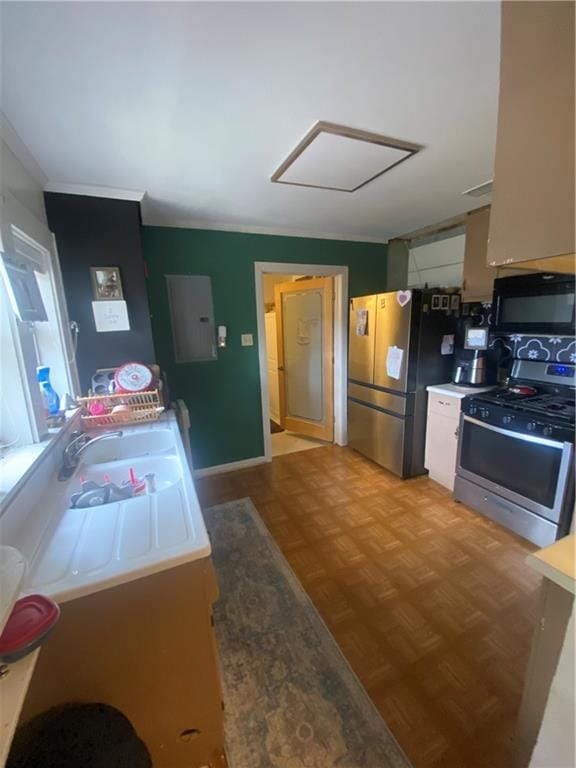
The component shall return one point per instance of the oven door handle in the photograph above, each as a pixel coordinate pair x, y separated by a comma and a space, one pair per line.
516, 435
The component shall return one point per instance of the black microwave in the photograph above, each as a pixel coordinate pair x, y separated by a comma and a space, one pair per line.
541, 303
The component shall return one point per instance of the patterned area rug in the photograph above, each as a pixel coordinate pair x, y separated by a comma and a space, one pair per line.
292, 700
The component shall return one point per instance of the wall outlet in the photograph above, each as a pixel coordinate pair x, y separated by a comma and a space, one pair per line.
247, 340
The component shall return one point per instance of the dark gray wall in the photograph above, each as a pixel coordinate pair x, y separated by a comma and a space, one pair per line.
92, 232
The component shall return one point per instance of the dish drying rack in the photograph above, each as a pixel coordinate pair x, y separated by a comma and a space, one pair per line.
144, 406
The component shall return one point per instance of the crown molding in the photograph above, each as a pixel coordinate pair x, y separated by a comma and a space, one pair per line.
254, 230
89, 190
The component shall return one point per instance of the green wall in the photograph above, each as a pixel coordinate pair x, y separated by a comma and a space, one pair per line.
223, 396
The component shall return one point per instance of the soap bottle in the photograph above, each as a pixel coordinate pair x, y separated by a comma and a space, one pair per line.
49, 396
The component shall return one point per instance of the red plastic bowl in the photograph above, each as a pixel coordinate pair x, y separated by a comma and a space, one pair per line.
31, 620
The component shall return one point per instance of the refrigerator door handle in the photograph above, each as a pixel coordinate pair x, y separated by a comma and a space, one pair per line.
378, 408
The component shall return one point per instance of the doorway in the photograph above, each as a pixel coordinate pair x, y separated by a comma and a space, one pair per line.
302, 326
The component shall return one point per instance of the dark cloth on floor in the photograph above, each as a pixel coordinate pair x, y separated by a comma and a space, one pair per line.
78, 736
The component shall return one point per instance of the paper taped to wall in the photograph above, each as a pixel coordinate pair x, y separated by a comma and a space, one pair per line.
394, 362
110, 316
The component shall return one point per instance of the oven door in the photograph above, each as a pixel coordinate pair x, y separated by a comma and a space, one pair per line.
529, 470
540, 304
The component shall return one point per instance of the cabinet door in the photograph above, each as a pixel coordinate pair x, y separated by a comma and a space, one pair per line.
444, 405
478, 283
441, 448
532, 212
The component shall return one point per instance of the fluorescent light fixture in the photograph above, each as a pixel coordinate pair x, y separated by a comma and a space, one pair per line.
340, 158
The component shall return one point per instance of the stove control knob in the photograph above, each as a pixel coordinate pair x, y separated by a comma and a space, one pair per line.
472, 410
531, 426
547, 431
507, 419
484, 412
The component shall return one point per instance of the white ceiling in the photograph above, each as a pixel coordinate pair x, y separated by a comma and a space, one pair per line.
198, 103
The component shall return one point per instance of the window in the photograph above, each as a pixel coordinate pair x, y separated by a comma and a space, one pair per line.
34, 328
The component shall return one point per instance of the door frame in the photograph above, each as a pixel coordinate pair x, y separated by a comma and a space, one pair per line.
340, 275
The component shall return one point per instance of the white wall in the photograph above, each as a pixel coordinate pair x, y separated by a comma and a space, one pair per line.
555, 746
18, 180
271, 280
439, 263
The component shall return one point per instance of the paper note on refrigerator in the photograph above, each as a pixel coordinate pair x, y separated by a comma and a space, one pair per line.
394, 362
361, 322
447, 346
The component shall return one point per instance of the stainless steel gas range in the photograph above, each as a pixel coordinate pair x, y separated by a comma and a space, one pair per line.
516, 451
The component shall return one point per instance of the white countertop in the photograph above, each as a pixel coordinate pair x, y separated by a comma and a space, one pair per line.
557, 562
453, 390
90, 549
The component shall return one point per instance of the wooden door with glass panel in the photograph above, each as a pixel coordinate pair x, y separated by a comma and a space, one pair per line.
304, 311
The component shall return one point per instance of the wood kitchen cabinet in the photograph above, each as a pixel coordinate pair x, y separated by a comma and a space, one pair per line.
478, 276
532, 215
544, 685
147, 648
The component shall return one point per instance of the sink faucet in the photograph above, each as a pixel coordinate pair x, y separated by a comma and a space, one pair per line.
79, 441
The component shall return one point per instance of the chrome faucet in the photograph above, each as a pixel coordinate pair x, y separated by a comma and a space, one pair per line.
79, 441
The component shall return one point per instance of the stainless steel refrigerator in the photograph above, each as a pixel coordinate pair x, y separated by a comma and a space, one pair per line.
395, 351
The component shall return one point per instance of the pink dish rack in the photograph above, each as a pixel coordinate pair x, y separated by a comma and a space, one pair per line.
144, 406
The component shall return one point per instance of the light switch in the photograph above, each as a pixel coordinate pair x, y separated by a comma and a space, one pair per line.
247, 340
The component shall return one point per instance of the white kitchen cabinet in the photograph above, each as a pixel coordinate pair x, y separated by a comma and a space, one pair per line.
442, 437
444, 401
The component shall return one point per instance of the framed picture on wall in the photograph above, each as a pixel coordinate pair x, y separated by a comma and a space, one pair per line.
106, 284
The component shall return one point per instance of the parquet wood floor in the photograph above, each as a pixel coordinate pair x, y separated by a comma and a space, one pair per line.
431, 603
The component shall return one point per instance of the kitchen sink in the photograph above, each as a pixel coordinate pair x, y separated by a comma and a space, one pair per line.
112, 468
166, 470
130, 446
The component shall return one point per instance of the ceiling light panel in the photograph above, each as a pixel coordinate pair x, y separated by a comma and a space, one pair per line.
340, 158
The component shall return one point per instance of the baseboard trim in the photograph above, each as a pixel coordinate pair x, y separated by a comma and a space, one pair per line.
231, 467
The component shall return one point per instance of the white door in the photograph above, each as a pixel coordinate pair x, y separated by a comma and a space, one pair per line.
305, 356
272, 363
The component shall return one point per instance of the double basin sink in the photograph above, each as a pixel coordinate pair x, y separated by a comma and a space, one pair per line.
75, 551
121, 459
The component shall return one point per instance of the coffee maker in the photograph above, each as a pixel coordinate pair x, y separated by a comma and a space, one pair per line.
471, 365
